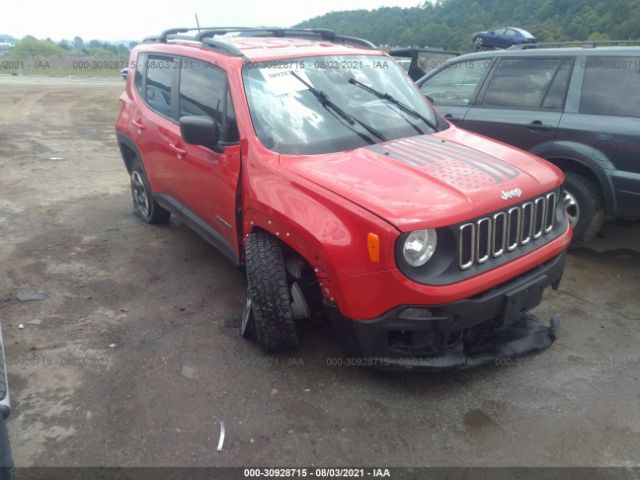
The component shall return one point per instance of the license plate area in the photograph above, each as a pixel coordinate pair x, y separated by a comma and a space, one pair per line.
521, 300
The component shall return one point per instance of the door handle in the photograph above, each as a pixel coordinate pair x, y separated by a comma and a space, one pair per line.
452, 118
138, 124
538, 126
179, 151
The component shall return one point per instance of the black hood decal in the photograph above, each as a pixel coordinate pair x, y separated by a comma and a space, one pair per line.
455, 164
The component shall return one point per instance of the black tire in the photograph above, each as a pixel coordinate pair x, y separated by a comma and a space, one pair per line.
274, 327
479, 44
587, 215
144, 204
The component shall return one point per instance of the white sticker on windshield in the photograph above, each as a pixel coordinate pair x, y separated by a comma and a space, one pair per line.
282, 82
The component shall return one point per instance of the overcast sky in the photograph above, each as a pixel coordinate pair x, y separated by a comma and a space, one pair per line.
133, 20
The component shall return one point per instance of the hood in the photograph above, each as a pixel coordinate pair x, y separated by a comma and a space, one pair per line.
430, 180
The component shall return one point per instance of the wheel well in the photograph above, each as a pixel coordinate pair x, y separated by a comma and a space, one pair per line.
572, 166
308, 280
127, 155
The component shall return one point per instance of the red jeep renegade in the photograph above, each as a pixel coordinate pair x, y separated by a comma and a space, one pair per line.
311, 160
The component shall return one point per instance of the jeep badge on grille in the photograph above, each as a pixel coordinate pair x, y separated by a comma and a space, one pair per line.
513, 193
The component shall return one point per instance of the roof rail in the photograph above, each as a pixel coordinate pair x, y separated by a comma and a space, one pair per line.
582, 44
205, 34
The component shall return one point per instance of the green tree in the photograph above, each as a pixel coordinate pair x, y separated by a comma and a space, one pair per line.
450, 24
30, 46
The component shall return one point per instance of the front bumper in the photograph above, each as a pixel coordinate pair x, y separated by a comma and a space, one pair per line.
492, 325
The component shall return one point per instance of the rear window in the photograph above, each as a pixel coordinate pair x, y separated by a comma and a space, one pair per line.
531, 83
611, 86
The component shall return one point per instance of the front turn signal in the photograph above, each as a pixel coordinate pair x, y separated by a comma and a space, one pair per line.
373, 245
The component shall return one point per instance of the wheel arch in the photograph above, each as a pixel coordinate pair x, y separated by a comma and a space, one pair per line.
128, 150
590, 168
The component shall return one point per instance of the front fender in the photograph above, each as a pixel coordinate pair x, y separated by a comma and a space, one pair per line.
328, 231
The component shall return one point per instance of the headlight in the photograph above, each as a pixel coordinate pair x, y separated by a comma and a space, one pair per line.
419, 247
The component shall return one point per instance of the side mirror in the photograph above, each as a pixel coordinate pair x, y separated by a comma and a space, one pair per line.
204, 131
124, 73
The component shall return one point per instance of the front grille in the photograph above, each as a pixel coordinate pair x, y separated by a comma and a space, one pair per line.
505, 231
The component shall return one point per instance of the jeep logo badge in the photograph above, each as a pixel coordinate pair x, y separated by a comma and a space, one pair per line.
507, 194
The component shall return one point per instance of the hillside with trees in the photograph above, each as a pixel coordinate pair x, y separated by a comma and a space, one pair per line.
449, 24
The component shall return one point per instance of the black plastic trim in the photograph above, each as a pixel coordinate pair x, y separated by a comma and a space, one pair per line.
197, 224
125, 140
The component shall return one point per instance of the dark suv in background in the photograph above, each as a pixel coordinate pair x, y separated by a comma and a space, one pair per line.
578, 108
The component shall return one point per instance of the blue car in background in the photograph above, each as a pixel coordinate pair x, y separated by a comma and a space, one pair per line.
502, 38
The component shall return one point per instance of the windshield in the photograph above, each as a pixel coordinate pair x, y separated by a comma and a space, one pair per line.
328, 104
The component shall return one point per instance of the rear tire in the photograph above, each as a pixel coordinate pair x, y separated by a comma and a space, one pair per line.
274, 325
479, 43
144, 204
585, 208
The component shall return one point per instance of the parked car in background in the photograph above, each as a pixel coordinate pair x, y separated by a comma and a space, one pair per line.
7, 471
502, 38
578, 108
420, 61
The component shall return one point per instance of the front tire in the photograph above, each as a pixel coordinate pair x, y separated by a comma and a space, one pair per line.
585, 208
144, 204
273, 325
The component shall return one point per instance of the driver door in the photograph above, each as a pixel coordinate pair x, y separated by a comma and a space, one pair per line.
207, 180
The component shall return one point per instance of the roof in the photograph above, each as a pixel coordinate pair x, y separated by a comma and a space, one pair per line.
264, 43
546, 52
267, 48
410, 51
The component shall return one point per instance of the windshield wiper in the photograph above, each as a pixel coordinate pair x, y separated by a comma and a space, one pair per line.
395, 101
329, 105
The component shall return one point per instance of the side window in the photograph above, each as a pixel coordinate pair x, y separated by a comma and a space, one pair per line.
139, 74
521, 82
510, 33
455, 84
204, 92
611, 86
158, 85
556, 95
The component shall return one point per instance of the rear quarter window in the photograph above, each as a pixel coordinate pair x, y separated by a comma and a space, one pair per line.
611, 86
139, 73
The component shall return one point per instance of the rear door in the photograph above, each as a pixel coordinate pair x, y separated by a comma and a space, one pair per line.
609, 112
521, 103
155, 119
207, 181
453, 88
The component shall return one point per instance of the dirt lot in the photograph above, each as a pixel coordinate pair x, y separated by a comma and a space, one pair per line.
134, 359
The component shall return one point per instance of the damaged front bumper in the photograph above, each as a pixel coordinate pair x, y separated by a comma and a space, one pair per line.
484, 329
